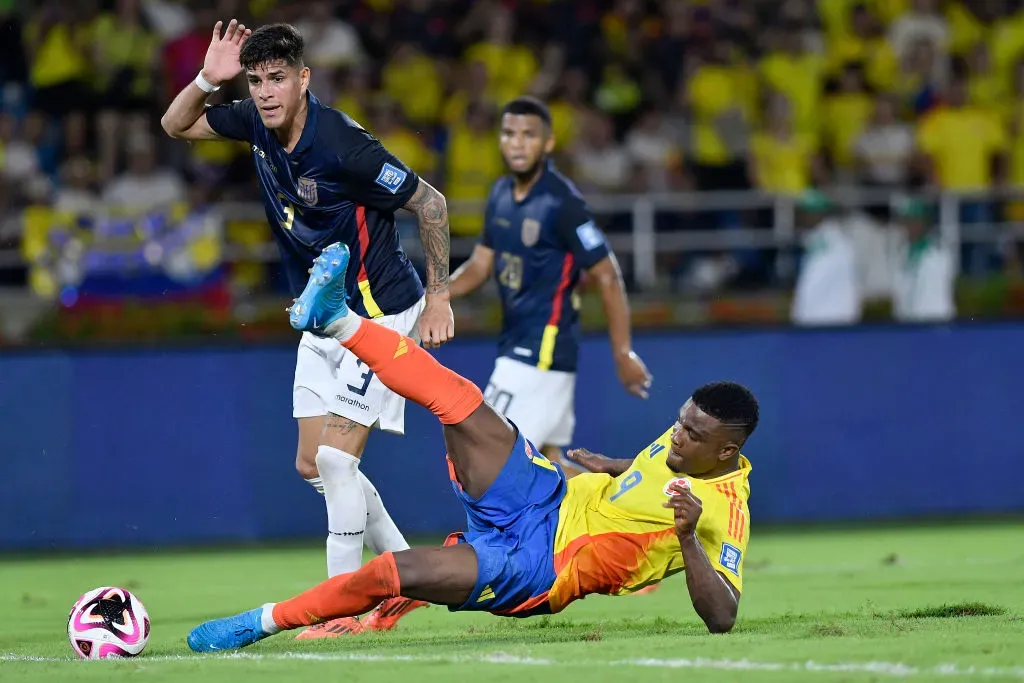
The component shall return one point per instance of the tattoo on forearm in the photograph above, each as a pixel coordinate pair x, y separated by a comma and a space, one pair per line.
429, 206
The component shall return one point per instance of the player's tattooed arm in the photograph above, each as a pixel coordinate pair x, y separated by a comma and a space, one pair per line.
432, 211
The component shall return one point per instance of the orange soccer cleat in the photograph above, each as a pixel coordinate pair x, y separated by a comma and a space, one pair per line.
387, 614
335, 628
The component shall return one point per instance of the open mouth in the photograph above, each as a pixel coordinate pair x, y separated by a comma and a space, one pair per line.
270, 109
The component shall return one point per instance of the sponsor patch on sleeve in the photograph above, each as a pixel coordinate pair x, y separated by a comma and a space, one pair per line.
590, 236
730, 559
391, 178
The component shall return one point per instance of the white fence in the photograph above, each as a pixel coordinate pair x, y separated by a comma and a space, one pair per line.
643, 243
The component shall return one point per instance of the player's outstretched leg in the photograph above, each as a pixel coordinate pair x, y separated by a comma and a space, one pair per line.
478, 438
444, 576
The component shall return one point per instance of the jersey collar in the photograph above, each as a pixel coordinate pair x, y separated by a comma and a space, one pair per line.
309, 129
549, 166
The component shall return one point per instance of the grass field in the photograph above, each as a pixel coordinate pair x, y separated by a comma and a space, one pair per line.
860, 605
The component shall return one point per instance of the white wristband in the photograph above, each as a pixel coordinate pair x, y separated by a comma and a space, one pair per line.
205, 85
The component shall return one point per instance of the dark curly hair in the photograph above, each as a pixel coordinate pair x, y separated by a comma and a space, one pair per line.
272, 43
731, 404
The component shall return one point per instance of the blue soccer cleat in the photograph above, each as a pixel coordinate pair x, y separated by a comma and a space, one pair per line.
323, 300
230, 633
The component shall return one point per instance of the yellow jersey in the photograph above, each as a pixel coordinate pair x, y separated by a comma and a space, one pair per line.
614, 536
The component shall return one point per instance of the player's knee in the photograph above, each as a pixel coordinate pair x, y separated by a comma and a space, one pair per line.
306, 466
722, 624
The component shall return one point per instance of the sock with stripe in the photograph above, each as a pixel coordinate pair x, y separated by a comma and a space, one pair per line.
382, 535
407, 369
345, 595
346, 509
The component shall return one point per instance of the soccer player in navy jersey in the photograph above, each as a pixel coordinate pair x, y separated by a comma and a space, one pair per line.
325, 179
538, 237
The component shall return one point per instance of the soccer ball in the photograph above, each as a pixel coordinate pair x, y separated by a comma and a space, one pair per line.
108, 622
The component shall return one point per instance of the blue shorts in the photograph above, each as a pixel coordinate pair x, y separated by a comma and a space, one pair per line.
512, 529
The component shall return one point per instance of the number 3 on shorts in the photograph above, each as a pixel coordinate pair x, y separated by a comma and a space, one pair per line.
367, 377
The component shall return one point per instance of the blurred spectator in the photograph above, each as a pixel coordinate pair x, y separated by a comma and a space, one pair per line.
58, 54
600, 164
20, 155
1013, 115
473, 86
13, 62
474, 163
924, 278
569, 108
653, 149
354, 92
923, 21
960, 142
922, 78
331, 44
510, 66
411, 148
961, 146
413, 80
846, 115
828, 285
618, 94
77, 193
885, 149
144, 186
170, 19
986, 87
669, 50
182, 57
721, 99
865, 42
792, 70
783, 160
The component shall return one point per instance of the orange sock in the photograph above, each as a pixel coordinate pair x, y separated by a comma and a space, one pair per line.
411, 372
345, 595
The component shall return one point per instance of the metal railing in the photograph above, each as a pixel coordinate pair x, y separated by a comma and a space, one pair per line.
643, 242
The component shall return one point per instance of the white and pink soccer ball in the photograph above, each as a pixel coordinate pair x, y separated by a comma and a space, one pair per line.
108, 622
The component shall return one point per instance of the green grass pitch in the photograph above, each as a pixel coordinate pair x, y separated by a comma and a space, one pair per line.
929, 603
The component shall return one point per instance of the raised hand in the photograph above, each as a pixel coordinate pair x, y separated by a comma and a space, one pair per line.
221, 64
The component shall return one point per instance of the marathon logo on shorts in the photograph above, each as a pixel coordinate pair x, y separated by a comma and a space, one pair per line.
306, 189
730, 559
391, 178
353, 402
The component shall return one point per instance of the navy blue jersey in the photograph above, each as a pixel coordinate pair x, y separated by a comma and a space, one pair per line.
540, 246
339, 184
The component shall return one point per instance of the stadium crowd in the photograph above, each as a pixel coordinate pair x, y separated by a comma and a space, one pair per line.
781, 95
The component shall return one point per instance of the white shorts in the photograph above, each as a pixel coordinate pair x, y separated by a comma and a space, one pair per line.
540, 402
330, 379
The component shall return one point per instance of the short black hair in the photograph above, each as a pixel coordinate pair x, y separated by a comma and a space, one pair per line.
528, 106
730, 403
271, 43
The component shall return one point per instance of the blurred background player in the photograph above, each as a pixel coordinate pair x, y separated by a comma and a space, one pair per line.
538, 237
534, 542
324, 179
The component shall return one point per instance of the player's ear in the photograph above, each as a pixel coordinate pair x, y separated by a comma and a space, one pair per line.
728, 451
549, 144
304, 78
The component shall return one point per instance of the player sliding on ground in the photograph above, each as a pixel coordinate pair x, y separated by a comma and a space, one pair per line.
535, 542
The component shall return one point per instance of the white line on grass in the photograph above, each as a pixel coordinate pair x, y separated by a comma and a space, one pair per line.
891, 669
